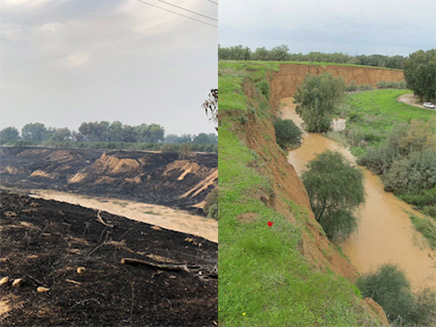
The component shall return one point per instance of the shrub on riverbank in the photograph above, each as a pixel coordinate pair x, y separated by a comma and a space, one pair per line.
389, 287
288, 135
407, 163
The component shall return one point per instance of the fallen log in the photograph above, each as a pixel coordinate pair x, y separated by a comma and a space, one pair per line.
164, 266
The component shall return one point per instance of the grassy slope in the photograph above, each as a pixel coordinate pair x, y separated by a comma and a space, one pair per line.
264, 279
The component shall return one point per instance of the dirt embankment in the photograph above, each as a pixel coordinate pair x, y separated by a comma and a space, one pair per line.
45, 242
259, 135
284, 83
159, 178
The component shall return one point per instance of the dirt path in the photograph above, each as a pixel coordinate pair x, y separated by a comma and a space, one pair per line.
385, 233
411, 99
158, 215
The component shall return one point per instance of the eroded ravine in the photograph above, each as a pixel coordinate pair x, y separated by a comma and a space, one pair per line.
385, 233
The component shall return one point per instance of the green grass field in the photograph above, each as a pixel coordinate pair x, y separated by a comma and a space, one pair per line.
264, 279
371, 115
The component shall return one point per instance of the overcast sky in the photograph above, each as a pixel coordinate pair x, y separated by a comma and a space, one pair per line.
386, 27
63, 62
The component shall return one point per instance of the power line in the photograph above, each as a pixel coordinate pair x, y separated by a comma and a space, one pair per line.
213, 2
176, 13
193, 12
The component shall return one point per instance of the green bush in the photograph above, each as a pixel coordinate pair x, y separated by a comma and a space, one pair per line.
424, 197
424, 313
335, 190
379, 160
352, 87
263, 87
391, 85
389, 287
288, 135
413, 173
364, 87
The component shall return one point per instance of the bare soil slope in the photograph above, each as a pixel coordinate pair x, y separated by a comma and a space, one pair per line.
159, 178
284, 83
44, 242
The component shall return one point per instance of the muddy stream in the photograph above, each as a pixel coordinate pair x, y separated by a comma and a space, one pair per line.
385, 233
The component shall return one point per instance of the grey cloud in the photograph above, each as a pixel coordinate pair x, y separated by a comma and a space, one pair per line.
109, 60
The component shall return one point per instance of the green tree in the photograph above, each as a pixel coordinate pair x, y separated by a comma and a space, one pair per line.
335, 190
261, 54
34, 132
60, 134
156, 133
202, 138
9, 134
316, 100
152, 133
420, 74
288, 135
280, 53
116, 130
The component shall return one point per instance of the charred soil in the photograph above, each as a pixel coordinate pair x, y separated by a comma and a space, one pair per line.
45, 242
158, 178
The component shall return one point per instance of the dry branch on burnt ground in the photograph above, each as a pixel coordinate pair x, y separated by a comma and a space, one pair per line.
66, 249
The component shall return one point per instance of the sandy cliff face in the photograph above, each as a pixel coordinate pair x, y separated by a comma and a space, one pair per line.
284, 83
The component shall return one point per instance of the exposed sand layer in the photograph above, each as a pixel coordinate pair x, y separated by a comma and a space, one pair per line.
148, 177
285, 81
162, 216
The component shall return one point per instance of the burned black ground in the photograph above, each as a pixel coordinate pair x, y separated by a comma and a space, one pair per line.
45, 242
149, 177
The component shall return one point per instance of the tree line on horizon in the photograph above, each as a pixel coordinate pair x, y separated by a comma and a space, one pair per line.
282, 53
102, 131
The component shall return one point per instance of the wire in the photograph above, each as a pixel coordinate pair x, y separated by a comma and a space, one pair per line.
213, 2
197, 20
194, 12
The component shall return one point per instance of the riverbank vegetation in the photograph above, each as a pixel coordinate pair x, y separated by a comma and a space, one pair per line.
395, 140
388, 286
288, 135
265, 280
317, 99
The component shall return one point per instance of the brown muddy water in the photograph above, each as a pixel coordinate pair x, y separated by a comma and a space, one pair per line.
385, 233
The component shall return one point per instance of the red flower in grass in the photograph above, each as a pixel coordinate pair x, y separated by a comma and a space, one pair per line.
270, 223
